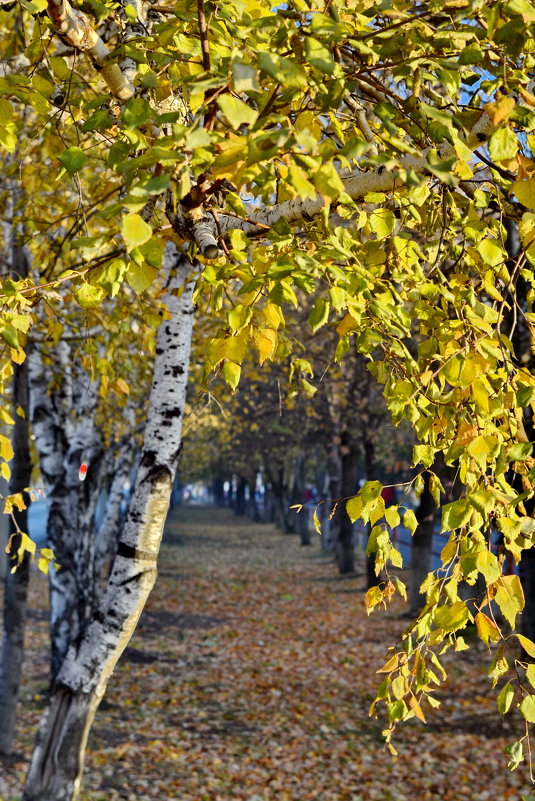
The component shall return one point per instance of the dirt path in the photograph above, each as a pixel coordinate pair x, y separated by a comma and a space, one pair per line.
249, 679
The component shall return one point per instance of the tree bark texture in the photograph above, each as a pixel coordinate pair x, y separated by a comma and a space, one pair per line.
57, 761
63, 443
16, 584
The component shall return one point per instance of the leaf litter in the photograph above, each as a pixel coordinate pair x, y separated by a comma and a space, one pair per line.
249, 678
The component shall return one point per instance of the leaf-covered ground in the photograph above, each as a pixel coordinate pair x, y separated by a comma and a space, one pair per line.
249, 678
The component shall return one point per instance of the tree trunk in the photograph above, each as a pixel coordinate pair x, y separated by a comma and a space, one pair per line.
57, 761
239, 507
253, 511
421, 547
218, 491
63, 444
371, 475
345, 552
16, 587
109, 531
16, 584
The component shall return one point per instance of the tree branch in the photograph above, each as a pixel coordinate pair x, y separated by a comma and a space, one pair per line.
77, 31
356, 185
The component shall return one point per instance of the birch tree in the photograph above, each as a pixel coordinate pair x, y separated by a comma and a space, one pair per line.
364, 154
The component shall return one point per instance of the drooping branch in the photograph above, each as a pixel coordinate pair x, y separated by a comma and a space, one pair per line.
356, 185
77, 31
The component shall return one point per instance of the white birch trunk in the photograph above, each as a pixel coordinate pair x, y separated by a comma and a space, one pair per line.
62, 444
57, 761
110, 527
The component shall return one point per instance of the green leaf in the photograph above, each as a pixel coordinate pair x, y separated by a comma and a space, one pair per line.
285, 71
231, 374
452, 618
238, 317
73, 159
137, 112
327, 181
236, 111
456, 514
382, 222
527, 708
503, 145
491, 252
520, 451
244, 77
89, 296
140, 276
319, 313
516, 754
488, 565
135, 231
319, 56
505, 698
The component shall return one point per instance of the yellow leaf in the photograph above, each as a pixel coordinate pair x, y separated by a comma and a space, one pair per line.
525, 192
348, 324
486, 628
509, 597
500, 110
266, 342
6, 449
121, 385
416, 708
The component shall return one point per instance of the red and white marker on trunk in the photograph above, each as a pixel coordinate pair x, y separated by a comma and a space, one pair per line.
82, 472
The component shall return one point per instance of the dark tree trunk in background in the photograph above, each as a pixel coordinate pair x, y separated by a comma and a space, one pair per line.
521, 338
422, 547
345, 552
371, 475
280, 501
218, 491
268, 512
298, 519
253, 512
334, 490
16, 587
240, 505
527, 577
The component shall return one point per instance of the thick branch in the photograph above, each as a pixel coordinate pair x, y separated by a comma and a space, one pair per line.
356, 185
76, 29
193, 224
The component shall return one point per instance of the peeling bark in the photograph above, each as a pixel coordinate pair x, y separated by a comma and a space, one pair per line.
57, 761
